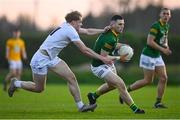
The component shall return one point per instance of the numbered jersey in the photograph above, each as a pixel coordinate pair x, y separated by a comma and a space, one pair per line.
59, 38
160, 31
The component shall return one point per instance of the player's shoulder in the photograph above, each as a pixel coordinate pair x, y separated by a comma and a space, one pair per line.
111, 35
20, 41
9, 41
106, 37
68, 28
156, 24
107, 33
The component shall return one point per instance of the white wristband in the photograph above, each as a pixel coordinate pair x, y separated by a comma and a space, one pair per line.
118, 57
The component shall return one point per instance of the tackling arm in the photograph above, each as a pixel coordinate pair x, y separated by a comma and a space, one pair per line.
87, 51
93, 31
90, 31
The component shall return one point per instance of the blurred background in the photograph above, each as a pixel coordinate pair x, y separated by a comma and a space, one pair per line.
36, 18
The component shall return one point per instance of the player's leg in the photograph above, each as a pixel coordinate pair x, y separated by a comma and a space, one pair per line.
148, 79
104, 88
100, 72
11, 74
19, 70
36, 86
117, 82
162, 74
148, 65
64, 71
18, 73
39, 69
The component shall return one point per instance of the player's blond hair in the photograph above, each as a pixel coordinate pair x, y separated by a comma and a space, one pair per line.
74, 15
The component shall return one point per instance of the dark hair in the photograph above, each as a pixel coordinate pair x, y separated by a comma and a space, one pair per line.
74, 15
116, 17
162, 9
15, 29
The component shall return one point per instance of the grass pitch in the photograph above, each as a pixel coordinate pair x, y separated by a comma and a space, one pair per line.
56, 102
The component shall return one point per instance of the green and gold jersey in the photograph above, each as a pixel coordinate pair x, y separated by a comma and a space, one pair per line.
106, 41
160, 31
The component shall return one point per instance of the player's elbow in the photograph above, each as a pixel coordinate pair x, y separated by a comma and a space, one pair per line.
150, 42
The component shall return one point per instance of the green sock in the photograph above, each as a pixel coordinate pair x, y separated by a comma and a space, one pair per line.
96, 95
133, 107
129, 89
158, 100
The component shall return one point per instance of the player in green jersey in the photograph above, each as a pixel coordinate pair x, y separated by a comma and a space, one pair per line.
105, 45
151, 60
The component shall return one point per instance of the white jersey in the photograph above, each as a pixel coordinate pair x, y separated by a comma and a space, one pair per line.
59, 38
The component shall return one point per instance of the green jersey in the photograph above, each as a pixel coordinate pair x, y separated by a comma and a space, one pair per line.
107, 42
160, 31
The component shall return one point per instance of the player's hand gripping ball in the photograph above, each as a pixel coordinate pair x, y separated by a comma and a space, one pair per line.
126, 50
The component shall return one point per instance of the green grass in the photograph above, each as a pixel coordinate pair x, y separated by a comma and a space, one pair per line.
56, 102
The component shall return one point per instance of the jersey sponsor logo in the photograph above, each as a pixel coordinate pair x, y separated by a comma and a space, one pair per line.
100, 72
153, 30
16, 48
148, 64
108, 46
163, 40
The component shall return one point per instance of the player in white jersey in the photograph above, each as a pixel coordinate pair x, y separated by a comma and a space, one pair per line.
46, 58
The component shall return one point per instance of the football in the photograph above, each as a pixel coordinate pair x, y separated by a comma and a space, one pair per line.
126, 49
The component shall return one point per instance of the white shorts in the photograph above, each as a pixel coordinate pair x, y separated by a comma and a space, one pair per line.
150, 63
15, 64
40, 63
103, 70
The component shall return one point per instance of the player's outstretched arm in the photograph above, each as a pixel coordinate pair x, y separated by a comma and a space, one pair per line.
87, 51
93, 31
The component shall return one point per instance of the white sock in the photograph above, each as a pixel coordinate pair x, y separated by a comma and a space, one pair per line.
80, 104
17, 83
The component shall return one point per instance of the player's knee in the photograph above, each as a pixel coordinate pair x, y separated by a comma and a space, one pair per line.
71, 78
121, 86
148, 81
163, 78
13, 74
18, 74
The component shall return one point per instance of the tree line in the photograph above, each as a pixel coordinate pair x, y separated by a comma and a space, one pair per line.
137, 24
